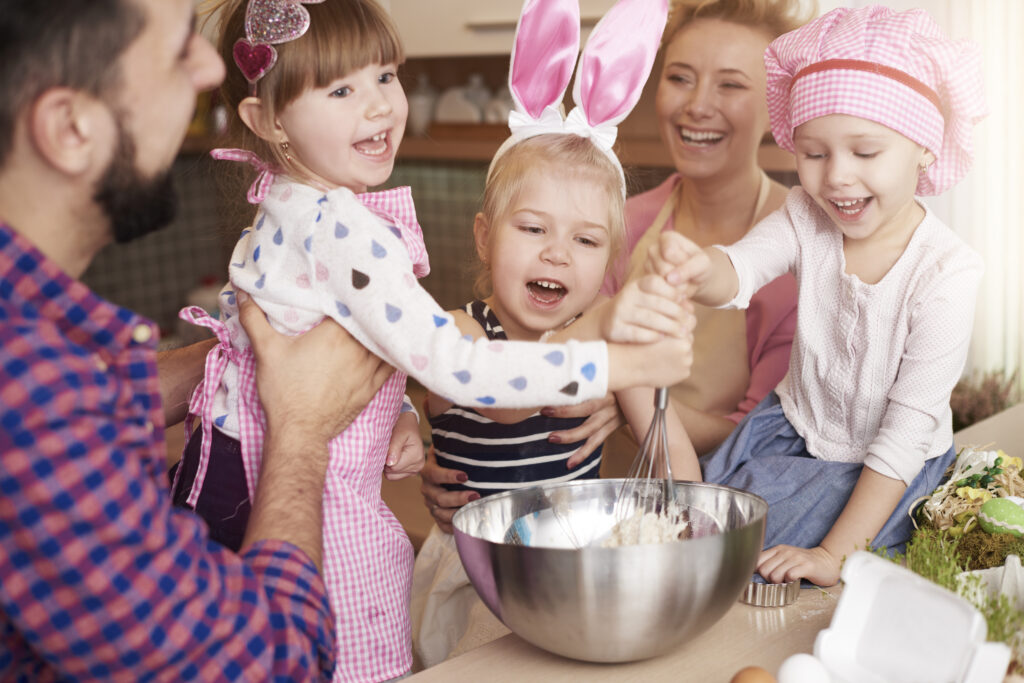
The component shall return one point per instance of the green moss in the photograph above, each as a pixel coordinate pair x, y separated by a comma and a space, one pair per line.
979, 549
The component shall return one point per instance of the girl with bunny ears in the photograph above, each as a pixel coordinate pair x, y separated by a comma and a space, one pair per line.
320, 114
552, 220
877, 106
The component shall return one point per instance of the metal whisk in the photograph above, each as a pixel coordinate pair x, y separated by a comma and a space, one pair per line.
646, 506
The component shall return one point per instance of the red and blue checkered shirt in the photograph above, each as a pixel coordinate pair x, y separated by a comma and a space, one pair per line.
100, 578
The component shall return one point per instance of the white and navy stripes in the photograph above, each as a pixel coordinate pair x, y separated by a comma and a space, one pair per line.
499, 457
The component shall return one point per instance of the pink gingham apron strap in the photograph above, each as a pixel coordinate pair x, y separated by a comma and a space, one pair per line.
251, 421
397, 206
201, 403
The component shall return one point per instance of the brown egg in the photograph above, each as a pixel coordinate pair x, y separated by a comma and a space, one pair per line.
753, 674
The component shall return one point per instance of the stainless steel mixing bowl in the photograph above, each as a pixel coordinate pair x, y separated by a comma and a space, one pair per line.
607, 604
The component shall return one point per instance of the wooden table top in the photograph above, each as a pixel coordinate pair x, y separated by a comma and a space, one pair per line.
745, 636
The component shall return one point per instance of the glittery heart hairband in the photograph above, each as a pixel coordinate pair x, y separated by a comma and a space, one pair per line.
610, 74
268, 23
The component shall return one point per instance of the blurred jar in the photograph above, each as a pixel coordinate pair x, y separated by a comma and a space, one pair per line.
422, 100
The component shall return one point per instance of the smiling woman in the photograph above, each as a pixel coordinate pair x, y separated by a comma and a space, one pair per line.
712, 115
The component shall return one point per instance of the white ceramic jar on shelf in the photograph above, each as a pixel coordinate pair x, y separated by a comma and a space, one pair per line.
422, 101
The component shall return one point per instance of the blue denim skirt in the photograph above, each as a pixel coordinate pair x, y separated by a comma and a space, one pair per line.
805, 495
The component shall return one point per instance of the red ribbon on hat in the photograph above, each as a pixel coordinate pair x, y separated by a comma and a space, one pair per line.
872, 67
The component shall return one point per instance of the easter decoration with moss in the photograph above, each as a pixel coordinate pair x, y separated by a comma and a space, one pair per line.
978, 478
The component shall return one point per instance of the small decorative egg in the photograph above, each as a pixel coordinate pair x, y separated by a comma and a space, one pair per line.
1002, 516
752, 674
803, 668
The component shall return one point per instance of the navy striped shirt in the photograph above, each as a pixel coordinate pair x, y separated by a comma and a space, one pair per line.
498, 457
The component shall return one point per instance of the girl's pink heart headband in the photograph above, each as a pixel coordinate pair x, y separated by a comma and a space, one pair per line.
268, 23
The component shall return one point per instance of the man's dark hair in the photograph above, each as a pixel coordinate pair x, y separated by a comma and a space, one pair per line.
53, 43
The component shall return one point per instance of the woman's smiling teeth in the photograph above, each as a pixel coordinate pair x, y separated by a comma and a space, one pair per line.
546, 291
700, 137
375, 145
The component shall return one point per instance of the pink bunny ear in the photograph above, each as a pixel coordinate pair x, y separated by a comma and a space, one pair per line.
617, 60
544, 54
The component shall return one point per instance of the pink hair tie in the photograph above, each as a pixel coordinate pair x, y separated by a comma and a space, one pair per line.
258, 191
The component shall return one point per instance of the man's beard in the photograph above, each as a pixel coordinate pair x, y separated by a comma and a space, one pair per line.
135, 205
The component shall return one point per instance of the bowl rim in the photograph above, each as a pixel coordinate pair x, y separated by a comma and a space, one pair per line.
701, 484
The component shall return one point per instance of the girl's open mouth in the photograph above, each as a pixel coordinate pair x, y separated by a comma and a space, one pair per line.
850, 209
375, 146
546, 292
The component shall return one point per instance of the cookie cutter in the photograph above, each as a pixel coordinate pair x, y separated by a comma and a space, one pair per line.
771, 594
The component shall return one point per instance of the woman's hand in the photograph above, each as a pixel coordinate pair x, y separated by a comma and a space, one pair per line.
441, 502
603, 418
784, 563
405, 451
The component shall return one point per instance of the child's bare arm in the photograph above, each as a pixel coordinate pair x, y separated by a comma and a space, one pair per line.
872, 502
637, 406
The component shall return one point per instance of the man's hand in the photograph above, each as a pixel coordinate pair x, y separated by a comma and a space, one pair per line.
317, 382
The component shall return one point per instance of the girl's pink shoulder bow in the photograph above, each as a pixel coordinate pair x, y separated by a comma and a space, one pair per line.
258, 191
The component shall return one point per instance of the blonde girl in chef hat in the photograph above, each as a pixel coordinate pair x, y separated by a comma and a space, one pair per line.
321, 114
551, 221
878, 106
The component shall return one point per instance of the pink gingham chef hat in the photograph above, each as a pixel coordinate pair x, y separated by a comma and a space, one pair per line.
893, 68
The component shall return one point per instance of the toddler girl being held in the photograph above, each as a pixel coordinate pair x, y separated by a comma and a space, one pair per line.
877, 106
320, 114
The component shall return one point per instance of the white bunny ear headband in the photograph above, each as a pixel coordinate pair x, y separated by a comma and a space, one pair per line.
611, 74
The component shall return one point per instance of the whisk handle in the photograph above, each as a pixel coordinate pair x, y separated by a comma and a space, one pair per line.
661, 398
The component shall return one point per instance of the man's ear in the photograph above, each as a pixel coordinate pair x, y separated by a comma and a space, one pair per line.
70, 129
255, 117
481, 235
